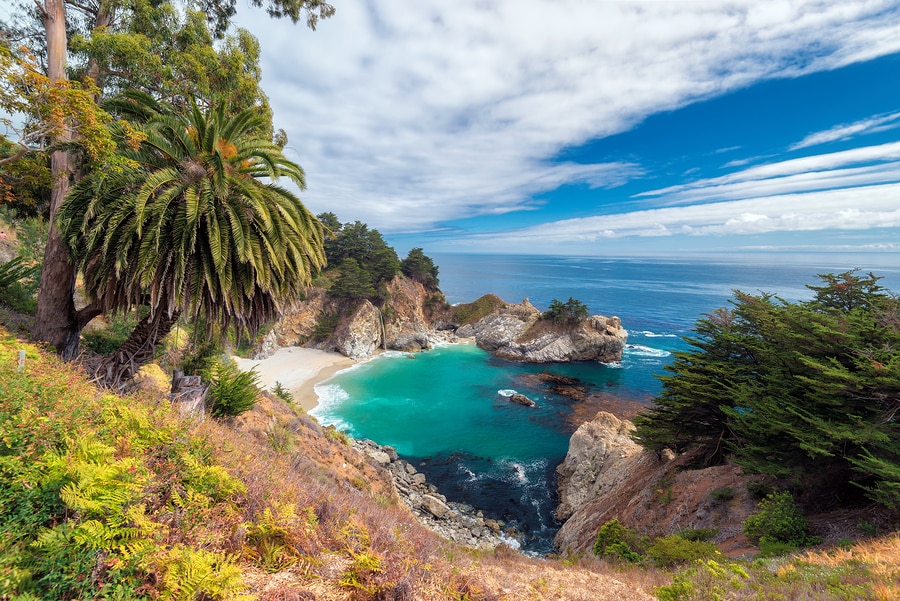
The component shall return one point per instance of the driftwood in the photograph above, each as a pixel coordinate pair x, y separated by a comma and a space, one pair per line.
189, 394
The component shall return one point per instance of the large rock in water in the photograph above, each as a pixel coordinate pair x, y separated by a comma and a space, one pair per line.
518, 333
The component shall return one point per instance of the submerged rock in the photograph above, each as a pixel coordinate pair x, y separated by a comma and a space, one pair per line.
521, 399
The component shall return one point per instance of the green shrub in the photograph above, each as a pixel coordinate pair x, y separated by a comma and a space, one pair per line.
282, 393
867, 528
618, 542
778, 519
233, 391
697, 534
325, 326
478, 309
673, 550
722, 494
105, 341
759, 490
572, 311
202, 359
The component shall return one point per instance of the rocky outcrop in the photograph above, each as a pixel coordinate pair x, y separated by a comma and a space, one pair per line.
518, 333
606, 476
497, 330
458, 522
413, 319
601, 456
360, 335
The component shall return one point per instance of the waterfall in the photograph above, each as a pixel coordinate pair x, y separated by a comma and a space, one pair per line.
383, 334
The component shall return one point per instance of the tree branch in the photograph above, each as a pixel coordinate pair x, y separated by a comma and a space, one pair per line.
19, 154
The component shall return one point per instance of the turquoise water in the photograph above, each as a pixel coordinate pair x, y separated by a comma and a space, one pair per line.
446, 410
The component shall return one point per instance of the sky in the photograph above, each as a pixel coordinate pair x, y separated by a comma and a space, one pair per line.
597, 128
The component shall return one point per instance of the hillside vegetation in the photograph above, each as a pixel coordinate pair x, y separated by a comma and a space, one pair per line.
807, 393
105, 497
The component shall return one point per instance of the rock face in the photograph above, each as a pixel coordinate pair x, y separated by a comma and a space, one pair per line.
412, 321
517, 333
455, 521
606, 476
601, 455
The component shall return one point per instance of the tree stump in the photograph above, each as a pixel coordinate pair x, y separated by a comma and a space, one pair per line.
189, 395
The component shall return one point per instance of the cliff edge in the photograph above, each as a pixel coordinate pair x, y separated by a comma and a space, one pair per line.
606, 475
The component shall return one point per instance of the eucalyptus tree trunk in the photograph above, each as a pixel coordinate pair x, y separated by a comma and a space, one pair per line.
119, 367
56, 321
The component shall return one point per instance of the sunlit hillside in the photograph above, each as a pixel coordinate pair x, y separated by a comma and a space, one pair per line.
105, 497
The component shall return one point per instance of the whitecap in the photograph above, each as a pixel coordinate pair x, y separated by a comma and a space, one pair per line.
645, 351
506, 392
650, 334
613, 364
330, 396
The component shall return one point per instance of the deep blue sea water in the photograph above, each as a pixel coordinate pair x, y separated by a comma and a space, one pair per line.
447, 410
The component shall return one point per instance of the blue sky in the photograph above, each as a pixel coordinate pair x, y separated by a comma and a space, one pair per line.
598, 128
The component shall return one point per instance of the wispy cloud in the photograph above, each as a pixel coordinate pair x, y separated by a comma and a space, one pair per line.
411, 114
845, 132
855, 167
845, 209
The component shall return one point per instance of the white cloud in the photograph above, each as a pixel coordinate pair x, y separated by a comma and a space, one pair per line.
847, 131
406, 114
845, 209
831, 170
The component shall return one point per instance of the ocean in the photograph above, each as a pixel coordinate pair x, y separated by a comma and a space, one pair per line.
447, 410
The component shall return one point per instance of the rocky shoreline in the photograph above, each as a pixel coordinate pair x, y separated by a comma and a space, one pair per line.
458, 522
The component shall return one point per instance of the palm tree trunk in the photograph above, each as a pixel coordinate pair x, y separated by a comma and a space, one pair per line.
117, 368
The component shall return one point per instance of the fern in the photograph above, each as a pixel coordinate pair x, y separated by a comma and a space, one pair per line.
191, 574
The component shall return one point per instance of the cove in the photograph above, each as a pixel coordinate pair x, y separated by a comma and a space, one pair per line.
447, 411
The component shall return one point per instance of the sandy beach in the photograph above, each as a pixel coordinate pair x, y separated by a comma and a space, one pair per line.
297, 369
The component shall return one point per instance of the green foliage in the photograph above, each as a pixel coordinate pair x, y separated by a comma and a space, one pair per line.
420, 267
354, 283
195, 221
190, 574
332, 433
867, 528
282, 393
778, 519
326, 324
697, 534
570, 312
467, 313
615, 541
673, 550
106, 340
93, 491
233, 391
365, 261
17, 284
792, 390
24, 183
269, 538
708, 580
722, 494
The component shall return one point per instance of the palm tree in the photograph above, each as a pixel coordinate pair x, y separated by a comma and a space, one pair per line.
192, 222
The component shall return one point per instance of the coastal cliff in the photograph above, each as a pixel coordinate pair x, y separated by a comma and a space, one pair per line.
606, 475
409, 321
413, 318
